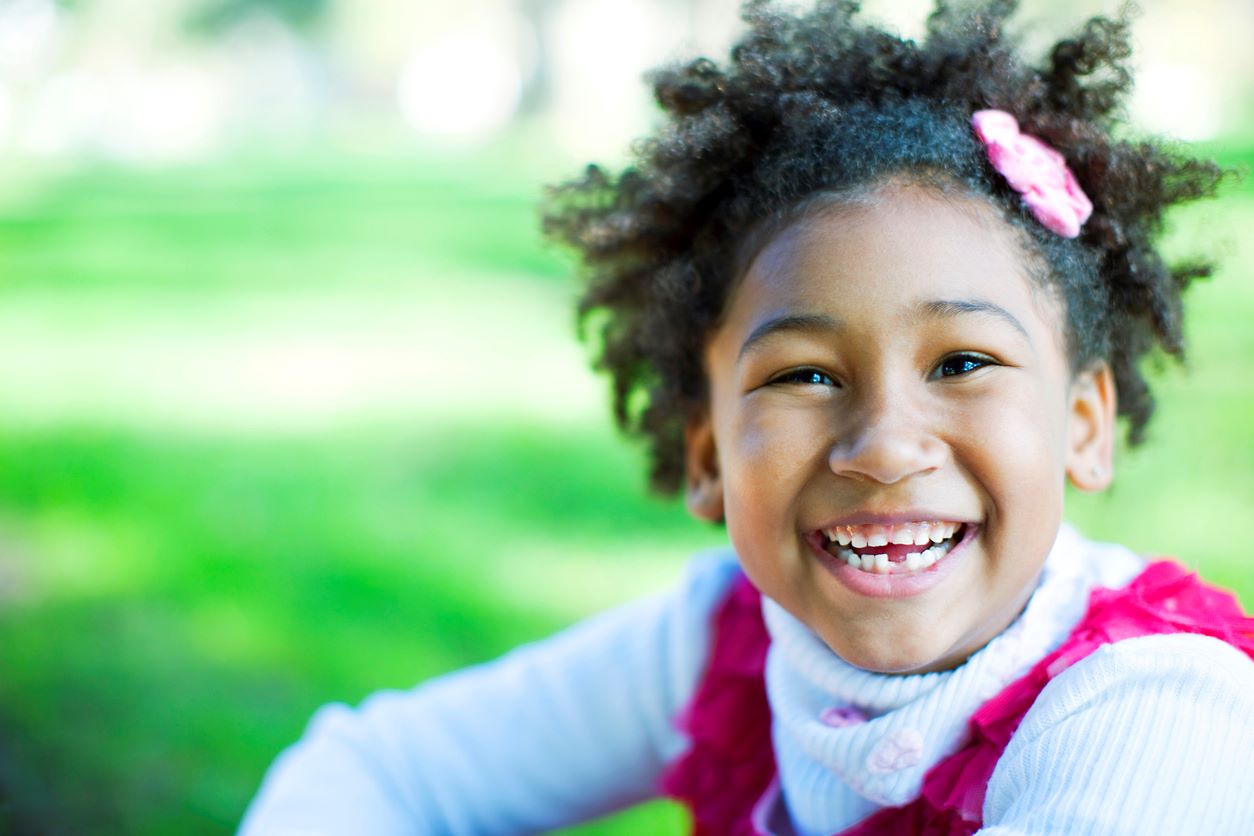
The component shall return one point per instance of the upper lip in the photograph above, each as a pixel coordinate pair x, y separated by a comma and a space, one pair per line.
892, 518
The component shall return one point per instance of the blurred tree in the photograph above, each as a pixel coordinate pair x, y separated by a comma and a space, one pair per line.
537, 89
216, 16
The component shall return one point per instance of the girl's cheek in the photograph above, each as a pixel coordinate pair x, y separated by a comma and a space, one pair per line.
768, 455
1019, 448
782, 439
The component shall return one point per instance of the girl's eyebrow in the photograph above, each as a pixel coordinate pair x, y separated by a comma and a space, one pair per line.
788, 322
948, 308
944, 308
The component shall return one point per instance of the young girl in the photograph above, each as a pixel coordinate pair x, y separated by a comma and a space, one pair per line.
872, 303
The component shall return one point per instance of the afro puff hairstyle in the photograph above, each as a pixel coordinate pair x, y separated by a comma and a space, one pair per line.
818, 105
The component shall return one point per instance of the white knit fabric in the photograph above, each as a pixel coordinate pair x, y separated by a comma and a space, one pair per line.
1148, 736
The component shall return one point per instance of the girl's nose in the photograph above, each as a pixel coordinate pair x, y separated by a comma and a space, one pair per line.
887, 444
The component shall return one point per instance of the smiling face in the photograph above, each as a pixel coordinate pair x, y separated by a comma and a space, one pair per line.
886, 376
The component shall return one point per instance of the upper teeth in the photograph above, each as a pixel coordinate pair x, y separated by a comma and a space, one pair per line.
905, 534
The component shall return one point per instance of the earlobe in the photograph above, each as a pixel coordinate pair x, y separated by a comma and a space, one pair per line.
1091, 429
704, 485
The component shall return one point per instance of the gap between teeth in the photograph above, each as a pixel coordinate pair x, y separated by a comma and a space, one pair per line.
880, 564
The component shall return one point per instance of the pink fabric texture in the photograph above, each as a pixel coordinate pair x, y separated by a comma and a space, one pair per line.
730, 764
1034, 170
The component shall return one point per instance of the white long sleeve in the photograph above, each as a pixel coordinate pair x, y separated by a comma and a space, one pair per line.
1152, 735
550, 734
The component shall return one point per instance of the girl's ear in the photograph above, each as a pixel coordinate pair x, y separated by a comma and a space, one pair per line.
1091, 429
704, 486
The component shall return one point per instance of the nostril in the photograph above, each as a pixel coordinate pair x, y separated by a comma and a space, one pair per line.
887, 455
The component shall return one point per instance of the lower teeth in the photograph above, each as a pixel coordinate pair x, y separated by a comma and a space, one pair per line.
879, 564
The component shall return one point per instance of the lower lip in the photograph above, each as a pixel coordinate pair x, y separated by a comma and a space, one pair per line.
903, 585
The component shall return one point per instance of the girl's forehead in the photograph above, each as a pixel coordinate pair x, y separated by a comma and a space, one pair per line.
901, 250
900, 237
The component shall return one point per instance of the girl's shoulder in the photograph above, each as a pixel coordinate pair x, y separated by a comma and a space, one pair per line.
1134, 725
1151, 726
1136, 630
1137, 671
1146, 621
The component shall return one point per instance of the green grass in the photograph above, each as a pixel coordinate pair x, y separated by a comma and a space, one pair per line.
177, 596
237, 225
194, 601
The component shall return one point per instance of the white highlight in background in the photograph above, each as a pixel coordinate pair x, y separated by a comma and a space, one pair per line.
1179, 101
6, 115
463, 84
28, 32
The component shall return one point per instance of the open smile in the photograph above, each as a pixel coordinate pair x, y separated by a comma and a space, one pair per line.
892, 560
893, 549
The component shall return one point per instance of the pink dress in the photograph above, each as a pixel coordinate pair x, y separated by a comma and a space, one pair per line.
730, 765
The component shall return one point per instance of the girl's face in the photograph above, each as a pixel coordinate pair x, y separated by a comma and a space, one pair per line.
886, 376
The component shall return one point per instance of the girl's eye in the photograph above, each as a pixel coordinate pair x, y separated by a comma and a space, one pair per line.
805, 377
960, 364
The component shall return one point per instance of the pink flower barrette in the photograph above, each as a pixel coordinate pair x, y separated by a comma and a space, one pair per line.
1034, 170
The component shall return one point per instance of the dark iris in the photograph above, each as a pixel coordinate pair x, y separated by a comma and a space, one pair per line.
806, 377
816, 378
960, 364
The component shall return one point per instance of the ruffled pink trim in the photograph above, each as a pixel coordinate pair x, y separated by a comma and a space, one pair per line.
731, 763
760, 815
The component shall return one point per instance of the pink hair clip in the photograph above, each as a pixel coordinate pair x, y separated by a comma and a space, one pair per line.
1034, 170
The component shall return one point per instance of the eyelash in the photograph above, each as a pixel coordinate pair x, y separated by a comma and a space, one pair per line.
970, 361
805, 377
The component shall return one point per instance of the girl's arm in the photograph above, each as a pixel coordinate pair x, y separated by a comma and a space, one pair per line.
1148, 735
555, 732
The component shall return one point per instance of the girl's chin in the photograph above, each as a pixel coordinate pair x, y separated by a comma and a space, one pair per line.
901, 646
898, 663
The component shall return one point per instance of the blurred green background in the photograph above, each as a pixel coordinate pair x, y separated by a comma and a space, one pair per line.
292, 413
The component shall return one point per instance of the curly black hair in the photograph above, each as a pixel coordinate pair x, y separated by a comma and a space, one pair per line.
821, 104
